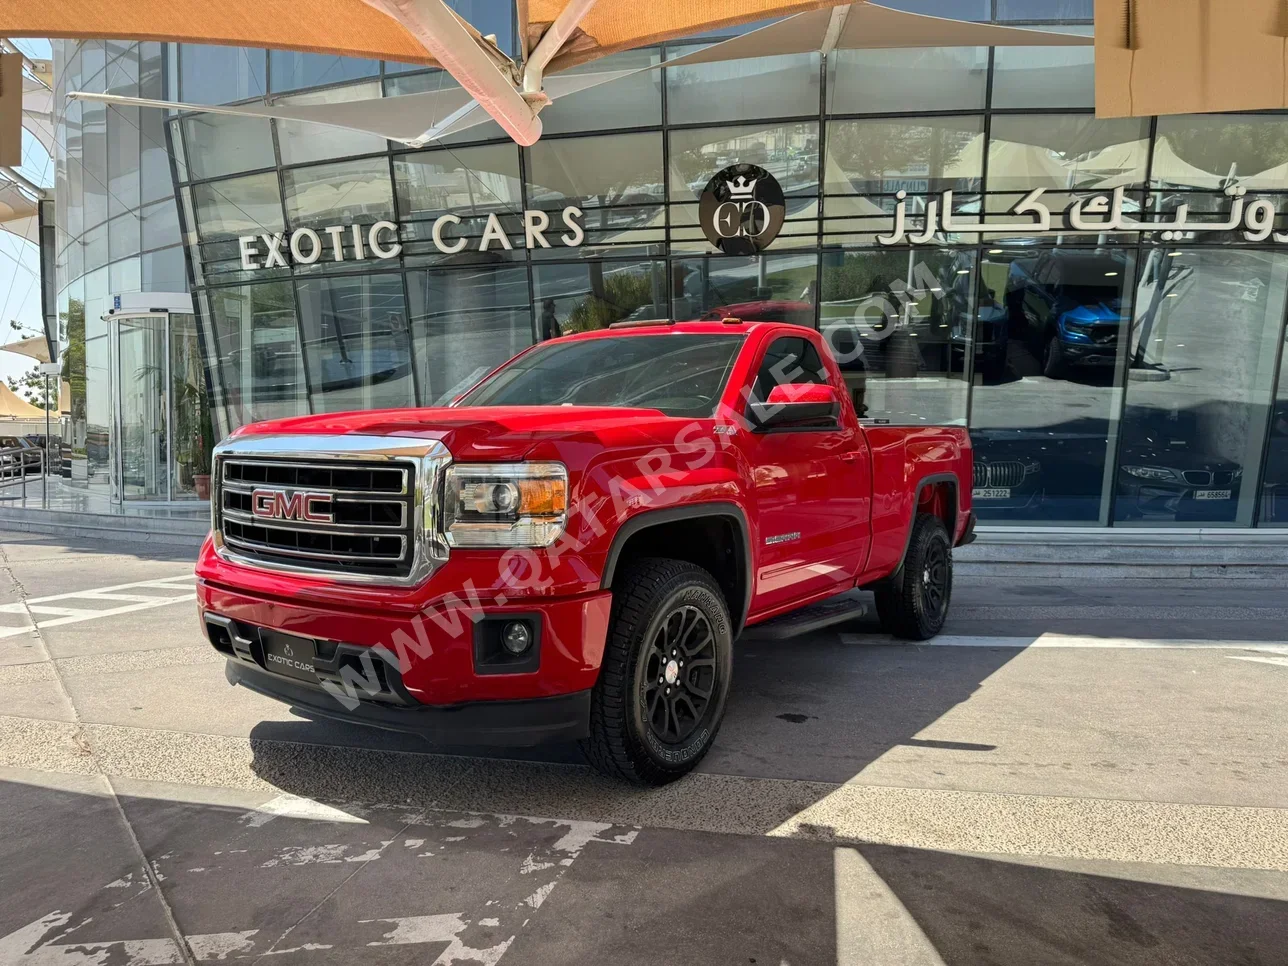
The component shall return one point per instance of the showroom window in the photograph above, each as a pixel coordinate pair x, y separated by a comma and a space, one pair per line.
220, 144
220, 75
468, 182
290, 70
615, 179
741, 90
300, 143
1205, 337
634, 100
1274, 481
1063, 151
787, 151
915, 79
890, 321
1044, 77
464, 323
1203, 151
357, 349
1049, 357
481, 127
226, 210
582, 296
775, 287
347, 192
258, 367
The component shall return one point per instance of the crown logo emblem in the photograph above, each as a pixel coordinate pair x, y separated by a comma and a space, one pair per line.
740, 187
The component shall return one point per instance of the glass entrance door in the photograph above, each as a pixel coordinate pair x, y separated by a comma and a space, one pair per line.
162, 437
142, 464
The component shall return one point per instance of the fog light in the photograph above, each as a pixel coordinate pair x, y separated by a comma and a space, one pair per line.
516, 637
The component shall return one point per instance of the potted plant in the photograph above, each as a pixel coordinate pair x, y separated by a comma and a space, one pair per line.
194, 435
203, 447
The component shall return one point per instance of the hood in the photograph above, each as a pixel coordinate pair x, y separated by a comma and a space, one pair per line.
1102, 312
489, 433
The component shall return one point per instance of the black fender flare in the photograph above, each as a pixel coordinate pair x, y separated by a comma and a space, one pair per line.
694, 511
933, 479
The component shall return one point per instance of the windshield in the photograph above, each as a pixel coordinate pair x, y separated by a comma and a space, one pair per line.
681, 375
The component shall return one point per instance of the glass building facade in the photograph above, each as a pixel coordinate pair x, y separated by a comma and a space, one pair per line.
1108, 379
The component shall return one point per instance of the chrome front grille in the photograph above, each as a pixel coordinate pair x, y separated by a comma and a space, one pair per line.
1004, 473
352, 507
368, 509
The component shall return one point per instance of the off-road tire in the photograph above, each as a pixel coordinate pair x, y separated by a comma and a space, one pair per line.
622, 743
902, 601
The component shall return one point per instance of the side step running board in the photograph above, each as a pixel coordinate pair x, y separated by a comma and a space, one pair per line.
835, 610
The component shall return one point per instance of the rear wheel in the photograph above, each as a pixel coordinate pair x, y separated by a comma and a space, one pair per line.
914, 603
661, 691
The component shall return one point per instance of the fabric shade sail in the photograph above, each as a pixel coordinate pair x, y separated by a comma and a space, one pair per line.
418, 118
18, 211
34, 348
555, 35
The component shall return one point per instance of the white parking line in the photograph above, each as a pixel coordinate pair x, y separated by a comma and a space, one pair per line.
61, 614
1076, 641
1280, 661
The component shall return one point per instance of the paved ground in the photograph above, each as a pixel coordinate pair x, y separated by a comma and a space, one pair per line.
1070, 775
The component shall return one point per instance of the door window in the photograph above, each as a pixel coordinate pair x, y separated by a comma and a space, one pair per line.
788, 360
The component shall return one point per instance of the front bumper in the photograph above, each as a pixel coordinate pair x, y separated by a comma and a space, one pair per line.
523, 723
443, 656
1084, 354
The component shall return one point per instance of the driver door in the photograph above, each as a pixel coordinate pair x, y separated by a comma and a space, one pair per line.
812, 488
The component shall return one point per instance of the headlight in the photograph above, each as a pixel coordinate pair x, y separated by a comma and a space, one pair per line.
1151, 472
505, 504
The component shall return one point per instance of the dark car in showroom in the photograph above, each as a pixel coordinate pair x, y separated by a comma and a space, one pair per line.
1007, 473
1165, 472
1071, 303
987, 328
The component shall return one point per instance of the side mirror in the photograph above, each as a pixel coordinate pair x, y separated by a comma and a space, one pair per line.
798, 406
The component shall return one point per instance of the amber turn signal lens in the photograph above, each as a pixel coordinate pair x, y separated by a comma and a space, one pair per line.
542, 497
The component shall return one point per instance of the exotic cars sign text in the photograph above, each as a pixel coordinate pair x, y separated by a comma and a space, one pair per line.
306, 245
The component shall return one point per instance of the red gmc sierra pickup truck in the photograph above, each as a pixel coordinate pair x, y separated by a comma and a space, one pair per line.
570, 550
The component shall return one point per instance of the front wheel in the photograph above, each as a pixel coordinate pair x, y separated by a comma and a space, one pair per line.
914, 603
661, 691
1053, 364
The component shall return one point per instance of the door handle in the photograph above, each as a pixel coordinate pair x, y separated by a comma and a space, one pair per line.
849, 457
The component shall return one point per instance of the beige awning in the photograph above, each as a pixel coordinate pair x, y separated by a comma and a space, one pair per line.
18, 211
34, 348
14, 407
555, 35
1190, 56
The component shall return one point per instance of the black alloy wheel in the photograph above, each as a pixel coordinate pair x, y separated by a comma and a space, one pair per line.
934, 580
679, 674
